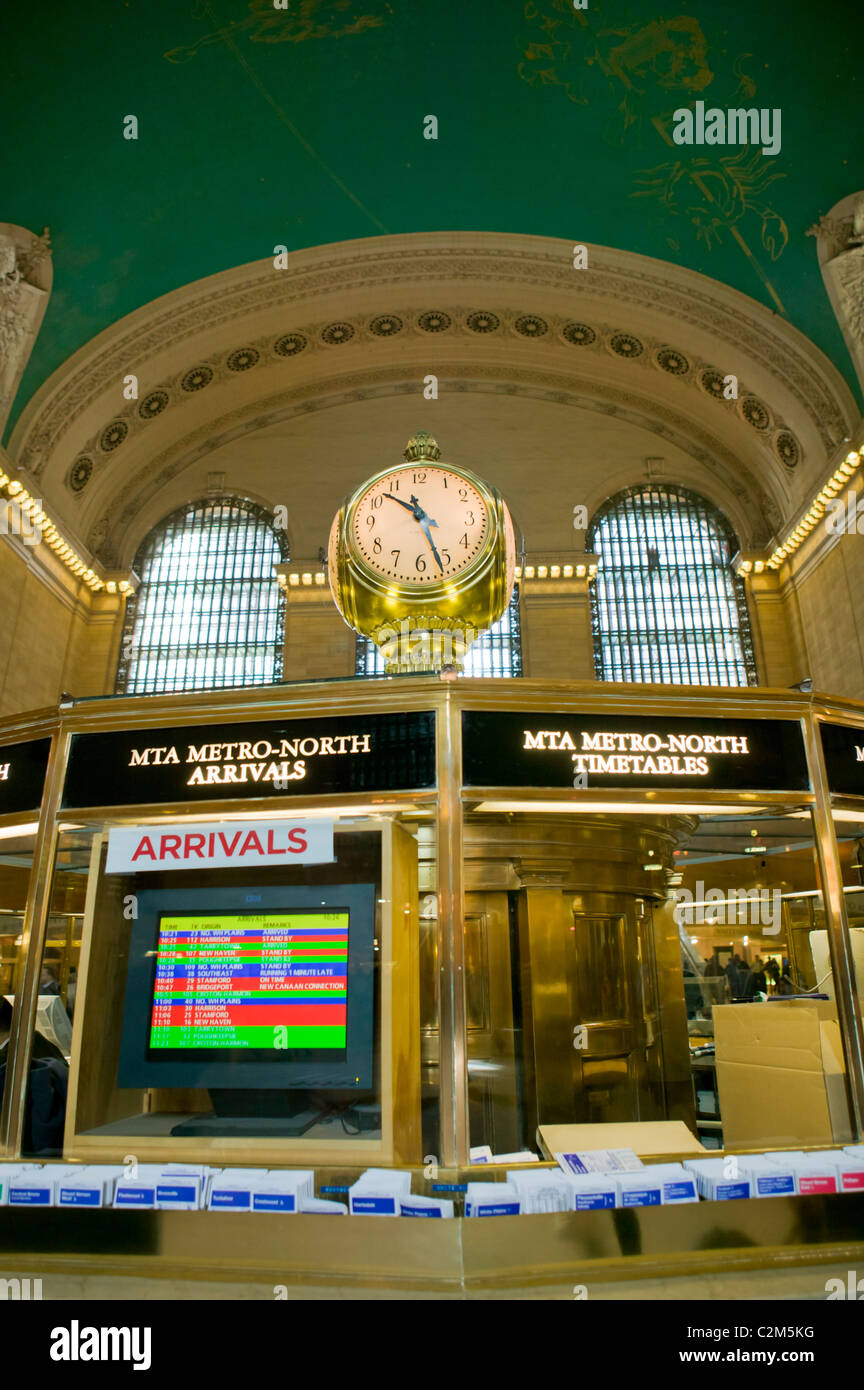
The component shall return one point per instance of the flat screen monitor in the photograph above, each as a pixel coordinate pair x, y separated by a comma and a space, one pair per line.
248, 988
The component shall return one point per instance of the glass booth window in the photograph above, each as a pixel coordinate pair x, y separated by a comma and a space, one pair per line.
765, 1048
271, 1005
627, 967
666, 606
849, 829
209, 611
45, 1107
16, 859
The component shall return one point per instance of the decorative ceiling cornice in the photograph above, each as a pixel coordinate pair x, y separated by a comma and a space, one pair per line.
581, 341
110, 536
213, 308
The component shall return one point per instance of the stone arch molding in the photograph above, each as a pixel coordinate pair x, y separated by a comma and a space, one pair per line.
715, 471
244, 348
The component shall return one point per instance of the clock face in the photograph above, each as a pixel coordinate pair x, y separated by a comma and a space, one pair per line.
420, 525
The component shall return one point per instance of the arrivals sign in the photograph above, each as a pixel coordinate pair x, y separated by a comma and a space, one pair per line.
562, 749
137, 849
279, 758
843, 748
22, 775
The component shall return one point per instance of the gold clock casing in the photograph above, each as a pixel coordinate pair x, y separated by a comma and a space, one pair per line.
465, 604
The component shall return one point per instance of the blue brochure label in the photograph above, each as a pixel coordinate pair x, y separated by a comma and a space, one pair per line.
729, 1191
782, 1184
273, 1201
177, 1194
135, 1196
81, 1197
592, 1201
641, 1197
682, 1191
30, 1197
237, 1201
374, 1206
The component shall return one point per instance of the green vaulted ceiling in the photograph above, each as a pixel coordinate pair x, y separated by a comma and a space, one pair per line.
304, 125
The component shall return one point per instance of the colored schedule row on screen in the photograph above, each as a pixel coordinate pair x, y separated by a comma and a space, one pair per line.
266, 981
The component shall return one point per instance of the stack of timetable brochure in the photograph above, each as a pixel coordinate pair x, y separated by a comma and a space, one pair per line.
618, 1178
583, 1180
648, 1139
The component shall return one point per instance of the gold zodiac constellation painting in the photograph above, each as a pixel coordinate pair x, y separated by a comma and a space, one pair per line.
299, 22
639, 75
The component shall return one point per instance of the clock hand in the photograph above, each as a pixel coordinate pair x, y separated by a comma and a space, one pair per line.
425, 523
420, 514
406, 505
428, 534
414, 508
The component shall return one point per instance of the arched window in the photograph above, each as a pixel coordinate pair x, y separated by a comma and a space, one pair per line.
496, 652
665, 604
209, 611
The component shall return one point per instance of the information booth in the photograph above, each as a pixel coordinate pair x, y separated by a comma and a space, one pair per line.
398, 922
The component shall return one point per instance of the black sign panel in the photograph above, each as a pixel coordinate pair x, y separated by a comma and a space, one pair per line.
556, 750
22, 775
289, 757
843, 748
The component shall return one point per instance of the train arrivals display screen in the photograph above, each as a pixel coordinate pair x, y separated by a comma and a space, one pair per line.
263, 981
243, 988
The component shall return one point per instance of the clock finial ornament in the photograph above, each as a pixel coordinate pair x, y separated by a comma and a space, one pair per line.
422, 445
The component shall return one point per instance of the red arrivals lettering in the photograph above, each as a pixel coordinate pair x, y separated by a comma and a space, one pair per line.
204, 846
229, 849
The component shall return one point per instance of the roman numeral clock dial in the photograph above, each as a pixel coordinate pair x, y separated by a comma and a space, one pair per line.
422, 552
420, 525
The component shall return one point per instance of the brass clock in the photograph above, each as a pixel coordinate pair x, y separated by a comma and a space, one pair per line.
421, 559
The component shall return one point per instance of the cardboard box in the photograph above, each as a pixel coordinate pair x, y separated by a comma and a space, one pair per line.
780, 1074
647, 1138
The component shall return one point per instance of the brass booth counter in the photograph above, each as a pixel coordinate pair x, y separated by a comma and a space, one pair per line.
386, 923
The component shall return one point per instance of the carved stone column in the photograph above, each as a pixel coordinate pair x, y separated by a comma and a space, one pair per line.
25, 285
840, 241
557, 643
318, 642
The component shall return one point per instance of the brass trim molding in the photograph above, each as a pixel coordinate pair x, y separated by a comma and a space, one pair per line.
459, 1255
350, 695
